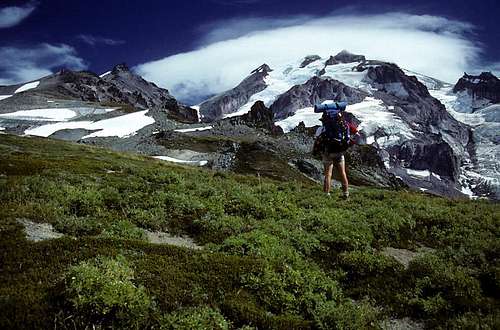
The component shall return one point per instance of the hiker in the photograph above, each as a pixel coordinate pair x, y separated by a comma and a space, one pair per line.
332, 140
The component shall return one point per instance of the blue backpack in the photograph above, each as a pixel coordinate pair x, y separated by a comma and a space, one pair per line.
336, 132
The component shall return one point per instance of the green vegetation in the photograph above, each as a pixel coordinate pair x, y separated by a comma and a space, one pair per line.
277, 255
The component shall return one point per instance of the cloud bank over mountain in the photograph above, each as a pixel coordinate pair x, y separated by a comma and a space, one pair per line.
229, 50
11, 16
21, 64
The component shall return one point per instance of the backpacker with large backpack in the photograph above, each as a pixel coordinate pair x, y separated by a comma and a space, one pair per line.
335, 136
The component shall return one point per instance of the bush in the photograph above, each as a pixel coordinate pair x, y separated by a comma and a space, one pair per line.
78, 226
124, 230
102, 291
286, 289
199, 318
347, 315
442, 289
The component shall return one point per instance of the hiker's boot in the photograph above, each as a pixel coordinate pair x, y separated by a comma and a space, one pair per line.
345, 194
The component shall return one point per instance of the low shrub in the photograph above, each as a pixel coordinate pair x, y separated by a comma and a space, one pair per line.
346, 316
123, 229
78, 226
443, 289
197, 318
102, 292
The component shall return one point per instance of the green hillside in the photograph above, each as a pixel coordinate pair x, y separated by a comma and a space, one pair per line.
276, 255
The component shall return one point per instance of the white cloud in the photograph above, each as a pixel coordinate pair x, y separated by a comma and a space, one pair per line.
431, 45
95, 40
11, 16
29, 63
492, 67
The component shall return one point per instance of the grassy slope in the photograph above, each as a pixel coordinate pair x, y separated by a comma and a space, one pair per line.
278, 255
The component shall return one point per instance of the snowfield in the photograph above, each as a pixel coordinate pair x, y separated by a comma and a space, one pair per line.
121, 126
306, 115
50, 114
27, 86
187, 162
23, 88
194, 129
54, 114
281, 79
380, 125
104, 74
375, 118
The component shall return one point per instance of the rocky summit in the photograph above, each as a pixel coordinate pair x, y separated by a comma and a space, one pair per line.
485, 86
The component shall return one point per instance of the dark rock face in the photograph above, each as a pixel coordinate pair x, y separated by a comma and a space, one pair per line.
342, 57
345, 57
411, 99
391, 79
308, 169
260, 116
365, 167
309, 59
229, 101
485, 86
437, 157
315, 90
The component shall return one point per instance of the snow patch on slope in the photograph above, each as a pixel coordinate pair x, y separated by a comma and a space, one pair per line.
378, 124
27, 86
121, 126
194, 129
306, 115
104, 74
50, 114
188, 162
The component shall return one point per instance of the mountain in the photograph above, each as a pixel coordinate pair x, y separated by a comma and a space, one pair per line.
119, 87
415, 135
415, 131
474, 101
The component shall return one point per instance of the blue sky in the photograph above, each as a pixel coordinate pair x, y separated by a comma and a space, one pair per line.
38, 37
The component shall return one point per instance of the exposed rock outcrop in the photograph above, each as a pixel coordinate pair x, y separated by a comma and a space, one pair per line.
436, 157
315, 90
485, 86
229, 101
345, 57
309, 59
260, 116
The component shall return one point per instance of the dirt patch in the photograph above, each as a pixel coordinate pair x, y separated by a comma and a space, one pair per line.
159, 237
38, 231
403, 324
404, 256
